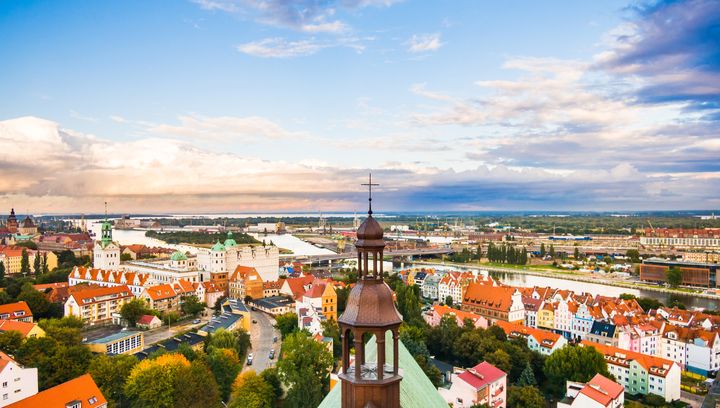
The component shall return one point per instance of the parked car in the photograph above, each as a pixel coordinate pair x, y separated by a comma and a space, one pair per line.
274, 339
249, 359
196, 321
272, 354
254, 321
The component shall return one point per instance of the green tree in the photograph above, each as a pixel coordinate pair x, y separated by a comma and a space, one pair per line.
125, 257
449, 300
109, 373
287, 323
573, 363
500, 359
133, 310
10, 341
432, 372
238, 340
525, 397
305, 369
38, 303
332, 330
24, 263
56, 361
225, 366
576, 253
37, 263
552, 251
272, 377
192, 306
2, 273
542, 250
169, 381
527, 377
45, 268
633, 254
674, 276
252, 391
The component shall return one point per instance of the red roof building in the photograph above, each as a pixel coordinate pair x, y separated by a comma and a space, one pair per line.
79, 392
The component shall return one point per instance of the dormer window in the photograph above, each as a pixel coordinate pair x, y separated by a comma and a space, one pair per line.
74, 404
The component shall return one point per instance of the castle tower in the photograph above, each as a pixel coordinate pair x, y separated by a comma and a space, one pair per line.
370, 310
106, 252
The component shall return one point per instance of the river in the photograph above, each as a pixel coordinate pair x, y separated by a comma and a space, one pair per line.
523, 280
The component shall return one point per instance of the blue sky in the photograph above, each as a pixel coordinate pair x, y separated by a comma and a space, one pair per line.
246, 105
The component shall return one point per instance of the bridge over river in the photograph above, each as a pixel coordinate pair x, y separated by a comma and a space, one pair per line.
401, 253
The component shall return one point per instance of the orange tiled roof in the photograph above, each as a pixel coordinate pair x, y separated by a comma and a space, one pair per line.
82, 389
90, 294
15, 310
542, 337
654, 365
491, 297
23, 328
459, 314
602, 390
160, 292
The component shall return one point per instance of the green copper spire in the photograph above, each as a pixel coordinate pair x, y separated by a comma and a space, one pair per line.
106, 235
230, 242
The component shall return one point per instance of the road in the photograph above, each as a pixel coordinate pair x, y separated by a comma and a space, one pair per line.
261, 338
695, 401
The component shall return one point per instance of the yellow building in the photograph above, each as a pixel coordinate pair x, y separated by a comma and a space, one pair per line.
96, 304
329, 302
25, 328
11, 256
546, 316
129, 342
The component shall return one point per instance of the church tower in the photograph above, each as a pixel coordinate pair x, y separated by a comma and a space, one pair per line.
106, 252
12, 222
370, 310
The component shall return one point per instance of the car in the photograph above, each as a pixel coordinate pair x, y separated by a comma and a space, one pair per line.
274, 339
249, 359
254, 321
196, 321
272, 354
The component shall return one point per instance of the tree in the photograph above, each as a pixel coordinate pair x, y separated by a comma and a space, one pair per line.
500, 359
2, 273
56, 361
272, 377
125, 257
525, 397
305, 369
37, 263
674, 276
45, 268
238, 340
528, 376
192, 305
24, 263
252, 391
133, 310
225, 366
449, 300
332, 330
38, 303
109, 373
287, 323
552, 251
10, 341
170, 380
633, 254
432, 372
542, 250
576, 253
573, 363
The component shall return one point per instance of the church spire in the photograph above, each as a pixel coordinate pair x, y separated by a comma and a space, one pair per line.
370, 310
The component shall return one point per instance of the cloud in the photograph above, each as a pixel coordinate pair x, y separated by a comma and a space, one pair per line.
311, 16
248, 129
420, 43
280, 48
671, 47
75, 172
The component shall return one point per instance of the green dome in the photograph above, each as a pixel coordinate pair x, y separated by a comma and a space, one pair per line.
218, 247
230, 242
178, 256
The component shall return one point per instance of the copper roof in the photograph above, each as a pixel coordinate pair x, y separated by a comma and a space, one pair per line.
370, 304
370, 233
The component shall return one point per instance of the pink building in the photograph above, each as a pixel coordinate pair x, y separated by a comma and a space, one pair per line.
482, 384
434, 315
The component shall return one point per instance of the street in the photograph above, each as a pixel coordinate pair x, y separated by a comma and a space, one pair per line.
695, 401
261, 338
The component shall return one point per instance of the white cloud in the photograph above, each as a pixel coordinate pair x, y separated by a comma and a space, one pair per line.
249, 129
280, 48
420, 43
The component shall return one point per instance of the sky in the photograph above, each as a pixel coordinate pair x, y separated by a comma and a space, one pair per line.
272, 105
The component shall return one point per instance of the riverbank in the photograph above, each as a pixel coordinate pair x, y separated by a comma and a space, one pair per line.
573, 277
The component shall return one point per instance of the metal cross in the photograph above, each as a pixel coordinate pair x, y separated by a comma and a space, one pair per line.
370, 185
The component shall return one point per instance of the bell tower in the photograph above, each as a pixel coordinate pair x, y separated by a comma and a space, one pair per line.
370, 310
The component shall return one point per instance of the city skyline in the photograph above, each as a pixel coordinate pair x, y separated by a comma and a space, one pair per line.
245, 106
